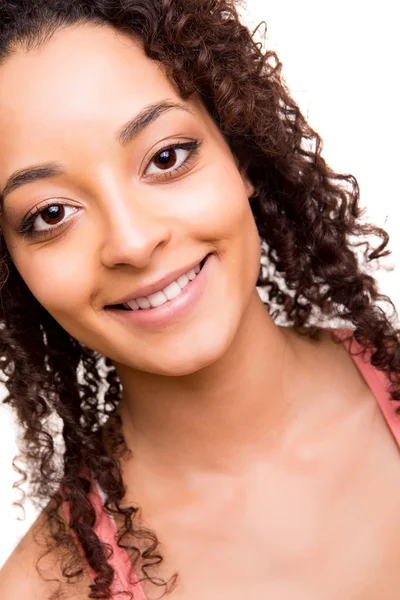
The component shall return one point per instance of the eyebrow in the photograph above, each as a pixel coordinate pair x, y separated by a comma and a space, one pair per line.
125, 134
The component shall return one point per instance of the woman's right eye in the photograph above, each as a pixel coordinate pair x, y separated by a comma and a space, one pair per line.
45, 220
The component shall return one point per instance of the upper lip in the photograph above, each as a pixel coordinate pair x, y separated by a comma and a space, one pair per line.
159, 285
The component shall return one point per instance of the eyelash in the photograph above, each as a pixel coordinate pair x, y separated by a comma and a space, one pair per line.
26, 230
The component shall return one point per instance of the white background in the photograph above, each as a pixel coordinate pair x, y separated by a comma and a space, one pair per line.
340, 62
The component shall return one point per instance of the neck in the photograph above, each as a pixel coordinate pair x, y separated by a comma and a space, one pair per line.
219, 418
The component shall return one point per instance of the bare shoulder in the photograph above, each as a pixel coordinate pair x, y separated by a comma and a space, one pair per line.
31, 574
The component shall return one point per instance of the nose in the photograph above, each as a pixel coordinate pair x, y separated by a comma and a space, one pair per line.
132, 233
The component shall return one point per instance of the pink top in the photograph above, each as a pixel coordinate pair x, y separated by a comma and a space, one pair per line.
105, 527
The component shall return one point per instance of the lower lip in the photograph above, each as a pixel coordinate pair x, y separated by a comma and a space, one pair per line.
173, 309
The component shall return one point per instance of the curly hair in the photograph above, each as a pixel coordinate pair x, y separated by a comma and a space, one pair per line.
308, 218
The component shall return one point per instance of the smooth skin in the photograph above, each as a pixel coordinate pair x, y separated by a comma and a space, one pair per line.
260, 458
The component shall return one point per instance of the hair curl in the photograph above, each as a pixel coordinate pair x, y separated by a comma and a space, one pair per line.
308, 218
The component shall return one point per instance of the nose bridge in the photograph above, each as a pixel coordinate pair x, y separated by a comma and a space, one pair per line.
132, 229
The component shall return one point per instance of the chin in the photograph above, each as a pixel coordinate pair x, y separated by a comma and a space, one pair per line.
181, 367
181, 362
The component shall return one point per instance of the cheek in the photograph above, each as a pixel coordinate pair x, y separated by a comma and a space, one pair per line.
58, 280
216, 206
220, 213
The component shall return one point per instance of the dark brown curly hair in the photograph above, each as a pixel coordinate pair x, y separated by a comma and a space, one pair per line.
308, 218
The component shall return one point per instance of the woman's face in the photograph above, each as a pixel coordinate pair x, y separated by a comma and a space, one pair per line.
120, 214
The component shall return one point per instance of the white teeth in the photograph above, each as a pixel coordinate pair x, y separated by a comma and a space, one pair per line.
182, 281
172, 290
143, 302
168, 293
157, 299
132, 304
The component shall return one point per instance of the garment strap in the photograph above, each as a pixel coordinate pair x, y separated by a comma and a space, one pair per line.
377, 380
125, 579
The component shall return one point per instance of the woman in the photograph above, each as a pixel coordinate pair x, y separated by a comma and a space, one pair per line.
154, 173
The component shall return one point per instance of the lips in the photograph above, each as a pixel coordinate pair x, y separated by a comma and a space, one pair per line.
159, 286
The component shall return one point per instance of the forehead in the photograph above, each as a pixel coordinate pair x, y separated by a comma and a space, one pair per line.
84, 76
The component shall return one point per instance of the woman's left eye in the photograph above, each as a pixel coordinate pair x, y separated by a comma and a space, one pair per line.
173, 158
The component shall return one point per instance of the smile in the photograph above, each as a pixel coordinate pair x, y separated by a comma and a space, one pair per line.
168, 293
172, 302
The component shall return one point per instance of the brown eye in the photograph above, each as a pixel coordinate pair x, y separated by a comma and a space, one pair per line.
52, 214
173, 159
43, 222
165, 159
